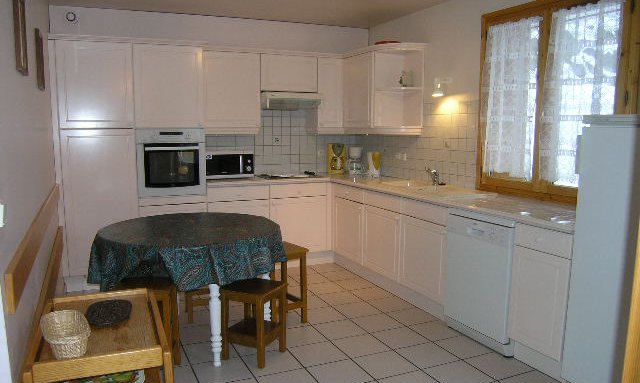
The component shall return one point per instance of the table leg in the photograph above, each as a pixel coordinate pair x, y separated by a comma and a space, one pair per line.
267, 306
215, 318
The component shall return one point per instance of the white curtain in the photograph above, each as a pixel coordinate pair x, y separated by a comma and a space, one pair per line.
508, 95
580, 79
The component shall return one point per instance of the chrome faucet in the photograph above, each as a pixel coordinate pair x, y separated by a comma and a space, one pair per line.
434, 174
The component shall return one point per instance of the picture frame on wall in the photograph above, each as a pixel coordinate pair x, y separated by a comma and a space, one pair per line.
20, 37
39, 59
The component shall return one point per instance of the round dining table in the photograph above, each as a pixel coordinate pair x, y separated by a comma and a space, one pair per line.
193, 249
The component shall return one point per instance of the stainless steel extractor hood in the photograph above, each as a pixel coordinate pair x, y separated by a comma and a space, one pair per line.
290, 100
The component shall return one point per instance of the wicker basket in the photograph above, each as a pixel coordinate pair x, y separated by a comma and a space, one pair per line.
67, 332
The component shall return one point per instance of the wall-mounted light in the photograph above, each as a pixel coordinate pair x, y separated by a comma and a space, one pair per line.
438, 86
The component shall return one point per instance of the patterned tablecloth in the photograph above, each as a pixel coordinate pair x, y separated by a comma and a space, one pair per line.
194, 249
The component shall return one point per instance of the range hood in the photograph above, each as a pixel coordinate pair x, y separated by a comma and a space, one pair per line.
289, 100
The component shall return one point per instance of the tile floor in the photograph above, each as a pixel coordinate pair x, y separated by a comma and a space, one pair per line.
357, 333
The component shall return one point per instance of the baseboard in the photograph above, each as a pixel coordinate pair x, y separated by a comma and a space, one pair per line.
415, 298
538, 361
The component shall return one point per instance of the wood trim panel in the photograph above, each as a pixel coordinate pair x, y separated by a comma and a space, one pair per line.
46, 293
631, 370
629, 66
17, 273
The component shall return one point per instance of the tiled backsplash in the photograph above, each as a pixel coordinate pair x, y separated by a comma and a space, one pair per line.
448, 144
283, 144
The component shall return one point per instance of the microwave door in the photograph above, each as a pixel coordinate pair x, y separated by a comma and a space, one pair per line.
224, 165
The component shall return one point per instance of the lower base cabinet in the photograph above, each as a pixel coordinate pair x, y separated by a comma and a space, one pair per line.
538, 306
381, 241
146, 211
302, 220
99, 185
422, 252
348, 219
257, 207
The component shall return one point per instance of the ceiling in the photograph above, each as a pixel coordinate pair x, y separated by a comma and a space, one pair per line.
347, 13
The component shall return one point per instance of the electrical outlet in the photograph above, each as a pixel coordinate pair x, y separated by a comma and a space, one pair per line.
3, 215
276, 140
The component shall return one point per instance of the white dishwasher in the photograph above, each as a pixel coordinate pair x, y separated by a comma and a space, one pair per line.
479, 256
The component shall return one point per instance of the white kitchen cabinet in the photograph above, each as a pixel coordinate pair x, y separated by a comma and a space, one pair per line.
538, 305
99, 186
168, 86
328, 117
397, 107
231, 93
302, 220
348, 221
381, 241
245, 199
256, 207
357, 91
288, 73
94, 84
375, 100
422, 257
146, 211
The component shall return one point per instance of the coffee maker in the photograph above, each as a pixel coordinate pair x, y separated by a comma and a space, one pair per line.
355, 160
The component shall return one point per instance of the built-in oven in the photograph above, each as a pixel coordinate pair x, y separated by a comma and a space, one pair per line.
171, 162
229, 164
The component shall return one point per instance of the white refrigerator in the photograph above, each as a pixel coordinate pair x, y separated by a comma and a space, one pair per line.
604, 249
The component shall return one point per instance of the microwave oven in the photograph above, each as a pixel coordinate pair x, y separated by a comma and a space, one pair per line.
229, 164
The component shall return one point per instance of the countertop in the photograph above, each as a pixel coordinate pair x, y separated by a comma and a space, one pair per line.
549, 215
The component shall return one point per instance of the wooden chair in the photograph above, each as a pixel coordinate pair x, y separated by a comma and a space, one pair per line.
254, 330
200, 297
167, 296
294, 302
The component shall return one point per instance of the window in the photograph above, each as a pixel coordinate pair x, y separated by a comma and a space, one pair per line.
546, 64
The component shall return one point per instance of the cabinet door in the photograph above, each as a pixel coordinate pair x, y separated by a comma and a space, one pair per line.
357, 91
231, 92
422, 252
168, 86
99, 184
287, 73
330, 88
381, 241
259, 207
94, 82
303, 220
347, 229
538, 305
146, 211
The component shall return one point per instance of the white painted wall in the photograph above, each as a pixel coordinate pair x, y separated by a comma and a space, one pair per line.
217, 31
452, 30
26, 173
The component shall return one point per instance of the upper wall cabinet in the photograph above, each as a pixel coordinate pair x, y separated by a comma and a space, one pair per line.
94, 84
287, 73
390, 99
231, 93
357, 91
168, 86
328, 117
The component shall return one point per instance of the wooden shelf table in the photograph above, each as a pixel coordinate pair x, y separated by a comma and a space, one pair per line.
137, 343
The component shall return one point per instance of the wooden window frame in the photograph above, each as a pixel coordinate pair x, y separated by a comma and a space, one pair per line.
626, 99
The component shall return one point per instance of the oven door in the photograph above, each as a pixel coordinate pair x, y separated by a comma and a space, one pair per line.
170, 169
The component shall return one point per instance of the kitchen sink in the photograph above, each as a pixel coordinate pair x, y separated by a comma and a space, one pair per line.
440, 191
